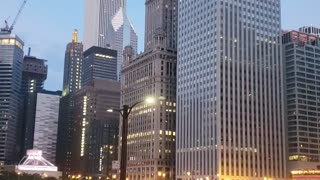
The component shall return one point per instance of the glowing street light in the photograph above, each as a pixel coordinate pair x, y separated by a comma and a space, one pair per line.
125, 112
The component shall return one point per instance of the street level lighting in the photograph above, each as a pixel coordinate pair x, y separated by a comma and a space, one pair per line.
125, 111
19, 175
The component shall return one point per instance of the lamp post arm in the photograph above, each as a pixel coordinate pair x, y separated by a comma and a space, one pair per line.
135, 104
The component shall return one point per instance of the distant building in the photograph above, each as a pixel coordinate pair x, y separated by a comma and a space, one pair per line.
302, 58
95, 138
46, 124
151, 128
99, 63
71, 83
11, 67
161, 18
34, 74
97, 21
72, 65
122, 34
310, 30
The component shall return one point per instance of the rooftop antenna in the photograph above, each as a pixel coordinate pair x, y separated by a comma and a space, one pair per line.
29, 51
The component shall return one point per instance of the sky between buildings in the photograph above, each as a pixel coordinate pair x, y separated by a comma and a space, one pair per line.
46, 26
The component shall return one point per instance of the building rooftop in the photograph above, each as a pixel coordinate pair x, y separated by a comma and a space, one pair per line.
100, 50
11, 36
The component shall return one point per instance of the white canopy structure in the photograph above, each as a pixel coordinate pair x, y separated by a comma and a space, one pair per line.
34, 161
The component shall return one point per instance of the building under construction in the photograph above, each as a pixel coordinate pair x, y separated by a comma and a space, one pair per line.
33, 76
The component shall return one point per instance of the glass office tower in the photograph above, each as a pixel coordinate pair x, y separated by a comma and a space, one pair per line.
11, 67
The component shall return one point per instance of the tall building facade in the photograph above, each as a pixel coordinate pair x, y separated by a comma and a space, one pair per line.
33, 76
95, 139
151, 128
97, 21
11, 66
46, 124
72, 65
302, 58
71, 83
99, 63
161, 19
230, 102
122, 34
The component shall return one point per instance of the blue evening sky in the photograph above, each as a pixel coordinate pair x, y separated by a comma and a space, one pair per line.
46, 26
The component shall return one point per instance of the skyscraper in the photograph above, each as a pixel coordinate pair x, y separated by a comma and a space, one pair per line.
72, 65
97, 21
302, 58
71, 83
151, 128
11, 66
95, 138
108, 26
99, 63
46, 124
122, 34
230, 102
33, 77
161, 19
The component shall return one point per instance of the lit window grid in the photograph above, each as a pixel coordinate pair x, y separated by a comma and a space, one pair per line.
83, 131
206, 53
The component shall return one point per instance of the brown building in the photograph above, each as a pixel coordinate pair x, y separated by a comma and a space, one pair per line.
95, 136
151, 128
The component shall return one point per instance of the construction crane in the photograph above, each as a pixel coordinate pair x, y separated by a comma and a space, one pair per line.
7, 29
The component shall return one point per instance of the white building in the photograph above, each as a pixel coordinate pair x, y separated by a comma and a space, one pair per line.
122, 34
107, 25
98, 15
230, 102
46, 124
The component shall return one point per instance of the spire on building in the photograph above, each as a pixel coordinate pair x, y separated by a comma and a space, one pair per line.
75, 36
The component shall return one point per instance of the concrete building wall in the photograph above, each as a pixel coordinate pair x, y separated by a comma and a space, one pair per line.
95, 138
46, 124
302, 59
230, 102
161, 18
151, 128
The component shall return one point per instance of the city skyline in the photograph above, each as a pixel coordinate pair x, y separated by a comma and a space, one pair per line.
71, 17
160, 89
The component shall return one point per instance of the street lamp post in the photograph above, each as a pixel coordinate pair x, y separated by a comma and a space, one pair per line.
123, 163
125, 112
